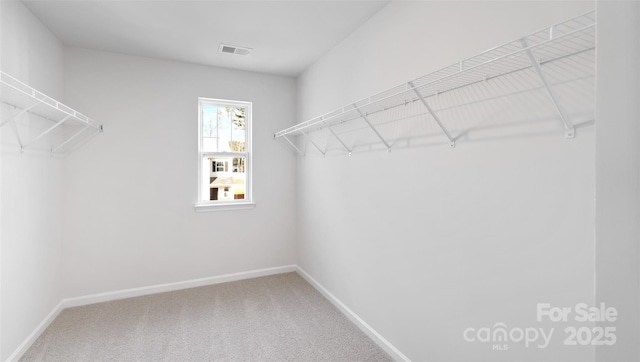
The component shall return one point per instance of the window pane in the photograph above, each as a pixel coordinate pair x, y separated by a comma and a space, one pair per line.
238, 126
209, 127
226, 178
223, 128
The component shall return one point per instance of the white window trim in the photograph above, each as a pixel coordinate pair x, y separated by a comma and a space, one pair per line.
247, 202
223, 206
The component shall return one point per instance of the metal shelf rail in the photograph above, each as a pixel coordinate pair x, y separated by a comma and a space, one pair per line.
571, 40
23, 100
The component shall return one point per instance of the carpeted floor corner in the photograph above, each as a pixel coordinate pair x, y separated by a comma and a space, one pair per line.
274, 318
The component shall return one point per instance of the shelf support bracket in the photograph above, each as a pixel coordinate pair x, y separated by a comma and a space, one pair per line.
452, 142
46, 132
313, 143
292, 145
569, 129
69, 139
23, 111
14, 128
336, 136
373, 128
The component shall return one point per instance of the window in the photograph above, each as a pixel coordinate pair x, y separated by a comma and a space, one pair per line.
224, 154
218, 166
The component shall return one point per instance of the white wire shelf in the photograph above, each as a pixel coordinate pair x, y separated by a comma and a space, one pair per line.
544, 60
19, 100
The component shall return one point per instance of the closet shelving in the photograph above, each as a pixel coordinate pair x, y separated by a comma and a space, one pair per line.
20, 100
570, 41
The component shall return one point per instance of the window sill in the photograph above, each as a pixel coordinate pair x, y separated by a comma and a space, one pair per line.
224, 206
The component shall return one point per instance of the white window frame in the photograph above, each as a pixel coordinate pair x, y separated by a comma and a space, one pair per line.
217, 205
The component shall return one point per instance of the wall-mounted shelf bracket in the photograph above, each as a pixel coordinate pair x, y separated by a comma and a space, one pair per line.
313, 143
293, 145
336, 136
452, 141
569, 129
45, 132
373, 128
53, 150
14, 128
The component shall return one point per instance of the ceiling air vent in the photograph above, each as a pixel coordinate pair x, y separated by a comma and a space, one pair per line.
232, 49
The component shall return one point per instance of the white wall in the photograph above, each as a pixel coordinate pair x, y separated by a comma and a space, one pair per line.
490, 229
31, 232
475, 235
618, 174
130, 192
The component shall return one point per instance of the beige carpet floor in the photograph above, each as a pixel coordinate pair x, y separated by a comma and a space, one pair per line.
273, 318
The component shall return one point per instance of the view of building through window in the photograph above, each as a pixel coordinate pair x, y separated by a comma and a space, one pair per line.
224, 151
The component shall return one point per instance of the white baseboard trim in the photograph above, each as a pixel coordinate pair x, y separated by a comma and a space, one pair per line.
137, 292
24, 346
170, 287
366, 328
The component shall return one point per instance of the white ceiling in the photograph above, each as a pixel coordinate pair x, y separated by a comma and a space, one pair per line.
286, 36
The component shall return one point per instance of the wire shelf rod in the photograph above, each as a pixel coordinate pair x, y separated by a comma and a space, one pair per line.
15, 106
332, 115
17, 94
462, 86
44, 99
